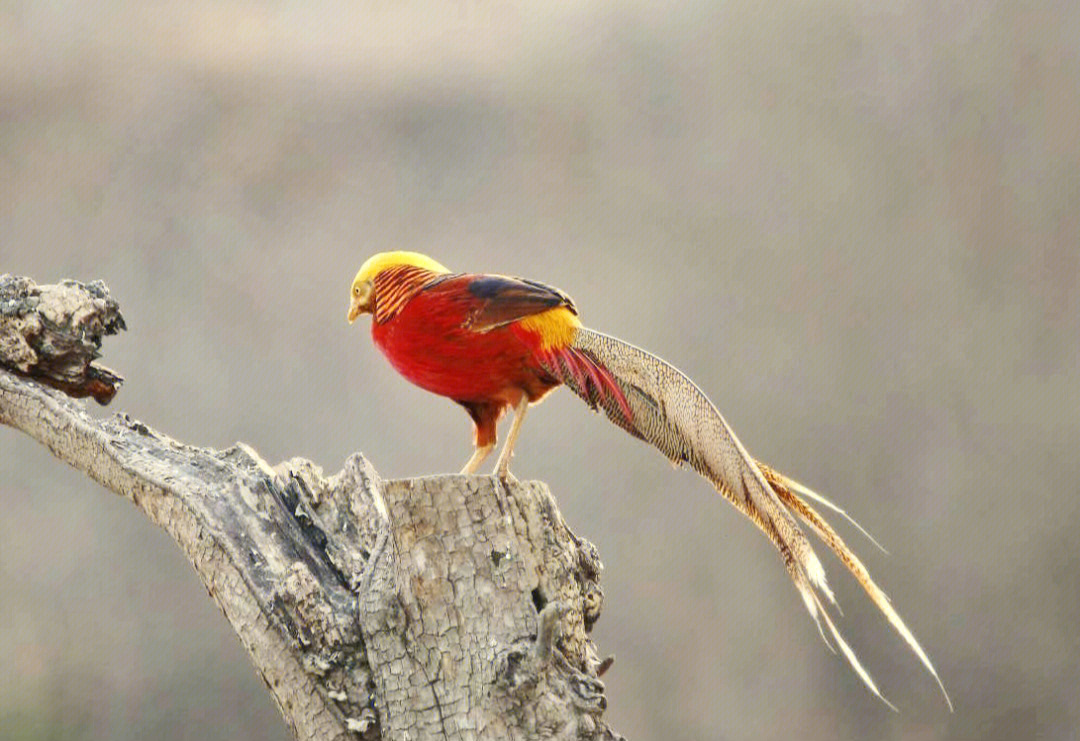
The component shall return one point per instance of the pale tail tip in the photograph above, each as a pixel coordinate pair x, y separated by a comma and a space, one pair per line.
944, 694
811, 494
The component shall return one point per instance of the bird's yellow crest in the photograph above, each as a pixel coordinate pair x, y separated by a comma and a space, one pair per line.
383, 260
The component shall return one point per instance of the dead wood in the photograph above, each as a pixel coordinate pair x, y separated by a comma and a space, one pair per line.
444, 607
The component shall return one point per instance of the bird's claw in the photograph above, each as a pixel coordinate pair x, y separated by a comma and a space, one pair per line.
505, 480
504, 475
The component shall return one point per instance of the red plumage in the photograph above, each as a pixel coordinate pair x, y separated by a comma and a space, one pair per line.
429, 343
461, 336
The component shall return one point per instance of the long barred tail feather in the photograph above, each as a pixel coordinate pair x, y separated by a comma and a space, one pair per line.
779, 480
656, 402
783, 487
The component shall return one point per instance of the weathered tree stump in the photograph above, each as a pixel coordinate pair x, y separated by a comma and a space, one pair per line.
445, 607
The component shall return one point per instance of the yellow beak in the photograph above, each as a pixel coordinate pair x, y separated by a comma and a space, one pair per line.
355, 310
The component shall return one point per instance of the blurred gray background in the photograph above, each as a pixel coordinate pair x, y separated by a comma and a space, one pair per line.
857, 228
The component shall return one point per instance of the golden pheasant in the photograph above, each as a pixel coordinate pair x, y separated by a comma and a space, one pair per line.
491, 342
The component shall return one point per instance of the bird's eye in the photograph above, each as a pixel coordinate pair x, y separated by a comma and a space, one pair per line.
356, 290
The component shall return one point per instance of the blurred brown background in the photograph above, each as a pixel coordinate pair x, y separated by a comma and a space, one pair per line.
857, 229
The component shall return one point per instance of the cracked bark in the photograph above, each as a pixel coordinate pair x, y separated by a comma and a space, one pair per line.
444, 607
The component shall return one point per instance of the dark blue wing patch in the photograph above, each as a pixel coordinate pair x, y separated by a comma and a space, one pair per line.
505, 300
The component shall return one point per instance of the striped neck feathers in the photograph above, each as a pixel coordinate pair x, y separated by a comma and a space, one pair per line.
394, 286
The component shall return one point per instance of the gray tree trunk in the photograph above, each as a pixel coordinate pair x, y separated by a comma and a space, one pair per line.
445, 607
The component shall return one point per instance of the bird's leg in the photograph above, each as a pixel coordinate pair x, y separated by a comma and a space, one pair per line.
485, 417
502, 467
479, 455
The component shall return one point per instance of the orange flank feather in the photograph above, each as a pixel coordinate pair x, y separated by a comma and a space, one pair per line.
490, 342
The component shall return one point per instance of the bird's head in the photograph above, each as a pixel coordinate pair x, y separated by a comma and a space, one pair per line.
362, 292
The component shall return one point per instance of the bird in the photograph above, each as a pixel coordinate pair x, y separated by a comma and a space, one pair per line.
494, 343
